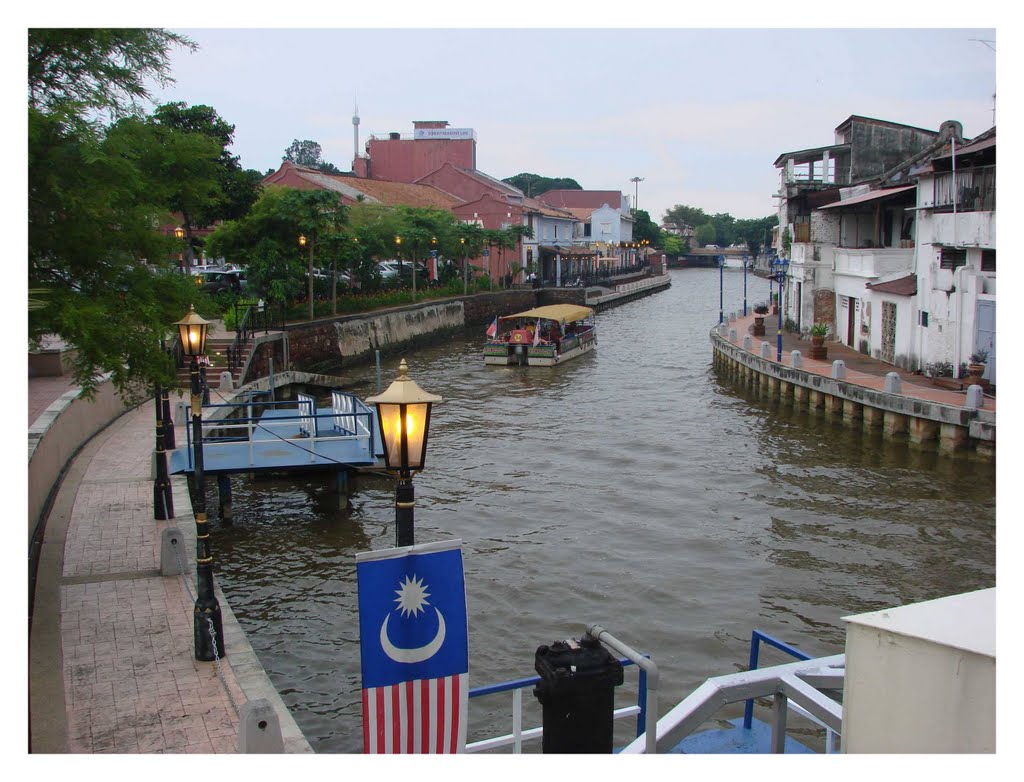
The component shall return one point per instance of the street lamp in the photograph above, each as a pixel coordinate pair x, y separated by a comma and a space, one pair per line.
465, 269
721, 289
745, 259
208, 628
780, 277
179, 234
403, 415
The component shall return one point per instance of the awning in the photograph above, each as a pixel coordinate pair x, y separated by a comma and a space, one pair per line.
567, 251
904, 286
872, 196
563, 313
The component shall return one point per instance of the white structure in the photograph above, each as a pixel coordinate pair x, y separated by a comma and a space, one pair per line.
956, 256
921, 678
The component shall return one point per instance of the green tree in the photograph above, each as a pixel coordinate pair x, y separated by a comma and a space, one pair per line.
310, 155
535, 184
683, 217
644, 228
103, 71
756, 232
672, 244
704, 234
94, 203
236, 188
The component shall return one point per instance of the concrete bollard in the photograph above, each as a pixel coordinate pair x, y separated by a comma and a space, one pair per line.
732, 335
892, 383
838, 370
170, 563
227, 383
182, 413
732, 316
748, 342
259, 729
975, 397
796, 359
766, 350
721, 329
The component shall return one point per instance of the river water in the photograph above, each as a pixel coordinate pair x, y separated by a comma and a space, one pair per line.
630, 488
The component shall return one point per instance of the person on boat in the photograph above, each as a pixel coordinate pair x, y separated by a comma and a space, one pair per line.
555, 335
532, 328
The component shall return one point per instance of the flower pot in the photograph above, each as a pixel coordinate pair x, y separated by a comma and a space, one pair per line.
974, 375
818, 350
759, 325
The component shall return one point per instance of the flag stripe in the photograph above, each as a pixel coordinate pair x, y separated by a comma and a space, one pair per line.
397, 719
439, 741
453, 745
426, 716
409, 719
367, 721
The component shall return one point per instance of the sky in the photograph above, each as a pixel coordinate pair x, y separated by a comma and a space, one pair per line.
699, 114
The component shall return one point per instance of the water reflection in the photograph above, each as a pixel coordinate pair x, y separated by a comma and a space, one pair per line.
629, 487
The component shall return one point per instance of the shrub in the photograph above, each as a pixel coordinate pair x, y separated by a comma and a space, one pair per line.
819, 330
979, 357
761, 309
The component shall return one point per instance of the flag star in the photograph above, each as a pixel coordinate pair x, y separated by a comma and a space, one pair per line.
412, 596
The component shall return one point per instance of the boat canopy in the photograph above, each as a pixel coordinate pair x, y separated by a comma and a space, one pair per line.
563, 313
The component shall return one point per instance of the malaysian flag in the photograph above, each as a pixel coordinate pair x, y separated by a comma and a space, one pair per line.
414, 649
493, 328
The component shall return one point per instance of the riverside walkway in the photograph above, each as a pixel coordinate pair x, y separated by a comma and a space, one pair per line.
111, 664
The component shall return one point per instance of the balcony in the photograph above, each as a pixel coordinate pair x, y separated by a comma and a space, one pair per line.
874, 262
974, 190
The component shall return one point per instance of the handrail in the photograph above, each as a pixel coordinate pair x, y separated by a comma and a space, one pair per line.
649, 693
518, 736
756, 637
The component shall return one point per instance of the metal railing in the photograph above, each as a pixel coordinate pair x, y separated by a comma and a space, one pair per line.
229, 429
792, 685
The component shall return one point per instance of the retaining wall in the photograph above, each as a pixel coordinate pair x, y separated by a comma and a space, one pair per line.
919, 422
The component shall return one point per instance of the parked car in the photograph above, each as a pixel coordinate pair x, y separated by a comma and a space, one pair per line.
221, 281
389, 270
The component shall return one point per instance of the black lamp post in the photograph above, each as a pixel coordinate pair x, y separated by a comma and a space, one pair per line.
179, 234
721, 289
745, 259
403, 415
465, 268
209, 641
780, 277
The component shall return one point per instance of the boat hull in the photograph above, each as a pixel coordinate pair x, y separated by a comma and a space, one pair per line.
547, 356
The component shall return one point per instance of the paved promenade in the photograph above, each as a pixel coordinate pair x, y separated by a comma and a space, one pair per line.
112, 668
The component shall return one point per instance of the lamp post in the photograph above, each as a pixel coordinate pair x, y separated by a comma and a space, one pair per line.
781, 268
721, 289
636, 190
771, 282
309, 271
465, 269
179, 234
208, 628
745, 259
403, 415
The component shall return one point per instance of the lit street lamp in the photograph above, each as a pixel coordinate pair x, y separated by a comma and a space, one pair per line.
745, 259
465, 268
207, 625
780, 277
403, 415
179, 234
309, 272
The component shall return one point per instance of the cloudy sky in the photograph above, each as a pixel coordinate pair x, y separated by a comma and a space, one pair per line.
700, 114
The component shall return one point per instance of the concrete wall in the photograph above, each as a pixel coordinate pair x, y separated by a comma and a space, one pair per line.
65, 427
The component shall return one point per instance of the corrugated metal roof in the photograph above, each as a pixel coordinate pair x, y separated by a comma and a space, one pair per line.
873, 195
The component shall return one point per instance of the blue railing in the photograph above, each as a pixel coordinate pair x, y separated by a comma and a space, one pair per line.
518, 736
756, 637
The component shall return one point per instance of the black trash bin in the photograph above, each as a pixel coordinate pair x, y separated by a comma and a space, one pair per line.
577, 692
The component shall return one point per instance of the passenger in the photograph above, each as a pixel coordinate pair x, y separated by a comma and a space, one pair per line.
532, 328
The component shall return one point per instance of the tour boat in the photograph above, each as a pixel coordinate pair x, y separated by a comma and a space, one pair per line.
541, 337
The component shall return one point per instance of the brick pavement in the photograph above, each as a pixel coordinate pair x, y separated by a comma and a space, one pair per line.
129, 682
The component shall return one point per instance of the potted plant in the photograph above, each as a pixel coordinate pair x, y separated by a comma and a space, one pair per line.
976, 367
759, 312
819, 331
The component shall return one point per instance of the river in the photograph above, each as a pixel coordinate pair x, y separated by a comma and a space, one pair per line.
631, 488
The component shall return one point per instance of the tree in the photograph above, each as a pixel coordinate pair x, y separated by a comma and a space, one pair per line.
644, 228
94, 202
73, 71
704, 234
672, 244
683, 217
755, 232
535, 184
235, 189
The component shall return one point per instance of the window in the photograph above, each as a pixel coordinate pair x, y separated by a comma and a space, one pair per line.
924, 318
988, 260
586, 229
953, 258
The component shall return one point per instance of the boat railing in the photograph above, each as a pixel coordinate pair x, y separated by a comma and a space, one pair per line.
645, 709
234, 422
792, 685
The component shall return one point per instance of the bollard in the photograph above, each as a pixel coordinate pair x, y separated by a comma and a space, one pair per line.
732, 335
224, 498
170, 562
838, 370
892, 383
577, 693
796, 359
975, 396
227, 383
181, 413
766, 350
721, 329
748, 341
259, 729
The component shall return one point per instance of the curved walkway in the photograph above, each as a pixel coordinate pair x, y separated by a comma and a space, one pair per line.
111, 664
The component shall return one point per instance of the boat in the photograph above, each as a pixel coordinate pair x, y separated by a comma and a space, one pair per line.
542, 336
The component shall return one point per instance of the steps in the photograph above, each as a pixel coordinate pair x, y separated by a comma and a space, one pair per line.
217, 351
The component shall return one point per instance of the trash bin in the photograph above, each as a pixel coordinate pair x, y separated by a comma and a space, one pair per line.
577, 693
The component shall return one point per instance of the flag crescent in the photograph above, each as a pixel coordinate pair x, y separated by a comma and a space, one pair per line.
417, 654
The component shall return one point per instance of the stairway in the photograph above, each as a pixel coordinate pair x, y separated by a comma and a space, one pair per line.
217, 351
